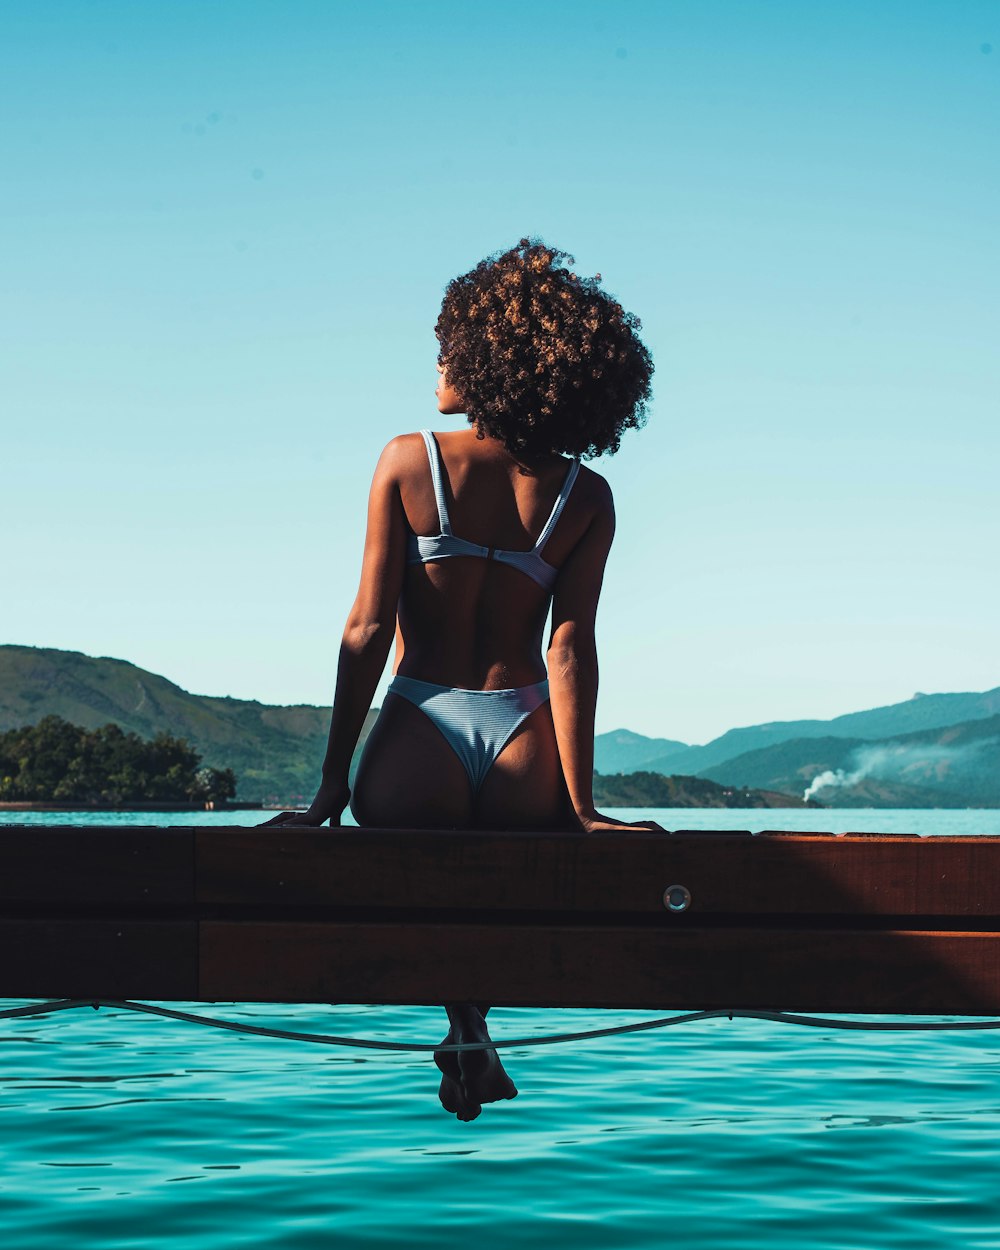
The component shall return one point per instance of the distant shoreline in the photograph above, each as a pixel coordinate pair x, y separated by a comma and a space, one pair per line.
27, 805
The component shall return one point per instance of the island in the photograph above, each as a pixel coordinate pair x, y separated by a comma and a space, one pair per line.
58, 764
656, 790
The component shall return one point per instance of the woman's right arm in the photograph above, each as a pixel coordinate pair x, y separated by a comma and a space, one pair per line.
368, 636
572, 662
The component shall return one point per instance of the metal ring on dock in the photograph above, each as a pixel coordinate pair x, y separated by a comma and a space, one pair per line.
676, 898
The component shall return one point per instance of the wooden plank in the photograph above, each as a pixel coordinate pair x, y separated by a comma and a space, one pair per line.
620, 967
106, 958
623, 873
96, 864
856, 923
788, 874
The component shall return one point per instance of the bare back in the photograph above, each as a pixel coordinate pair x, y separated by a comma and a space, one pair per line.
473, 623
477, 624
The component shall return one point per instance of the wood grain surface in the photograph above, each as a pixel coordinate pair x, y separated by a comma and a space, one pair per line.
809, 922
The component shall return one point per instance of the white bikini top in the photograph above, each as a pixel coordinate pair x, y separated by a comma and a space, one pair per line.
424, 548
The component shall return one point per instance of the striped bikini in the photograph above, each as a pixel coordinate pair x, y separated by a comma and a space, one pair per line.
478, 723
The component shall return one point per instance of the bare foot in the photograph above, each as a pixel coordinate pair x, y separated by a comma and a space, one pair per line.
451, 1093
483, 1078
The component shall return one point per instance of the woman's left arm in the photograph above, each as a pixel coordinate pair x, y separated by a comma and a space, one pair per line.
368, 635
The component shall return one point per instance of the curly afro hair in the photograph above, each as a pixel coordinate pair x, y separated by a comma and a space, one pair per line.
543, 360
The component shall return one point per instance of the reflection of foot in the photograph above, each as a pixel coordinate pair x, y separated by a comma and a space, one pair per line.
451, 1093
482, 1074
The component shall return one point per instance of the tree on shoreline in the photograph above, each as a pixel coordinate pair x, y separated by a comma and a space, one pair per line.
56, 761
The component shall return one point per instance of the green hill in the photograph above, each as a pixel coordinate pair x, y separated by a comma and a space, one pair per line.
276, 752
925, 758
954, 766
922, 712
622, 751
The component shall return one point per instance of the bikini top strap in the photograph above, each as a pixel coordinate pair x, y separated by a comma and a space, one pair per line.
434, 459
559, 504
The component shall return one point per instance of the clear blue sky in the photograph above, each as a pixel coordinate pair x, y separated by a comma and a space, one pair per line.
227, 228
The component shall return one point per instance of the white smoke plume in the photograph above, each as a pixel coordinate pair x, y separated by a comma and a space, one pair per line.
892, 761
830, 779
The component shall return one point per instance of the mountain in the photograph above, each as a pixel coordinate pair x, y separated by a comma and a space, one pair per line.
954, 766
622, 751
276, 752
922, 712
936, 750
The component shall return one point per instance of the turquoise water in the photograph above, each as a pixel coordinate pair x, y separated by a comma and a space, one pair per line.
131, 1131
959, 822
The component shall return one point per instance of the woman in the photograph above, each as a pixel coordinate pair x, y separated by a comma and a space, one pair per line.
472, 534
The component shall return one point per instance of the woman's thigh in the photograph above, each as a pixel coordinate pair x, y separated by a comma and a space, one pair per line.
409, 777
525, 788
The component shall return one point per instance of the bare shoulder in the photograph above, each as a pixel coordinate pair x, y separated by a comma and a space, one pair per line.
400, 455
595, 491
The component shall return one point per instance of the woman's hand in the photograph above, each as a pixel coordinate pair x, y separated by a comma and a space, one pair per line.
596, 822
328, 805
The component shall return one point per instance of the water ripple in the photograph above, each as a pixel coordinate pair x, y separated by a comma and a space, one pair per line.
731, 1135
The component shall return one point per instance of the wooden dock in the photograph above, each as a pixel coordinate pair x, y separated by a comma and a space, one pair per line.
652, 921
